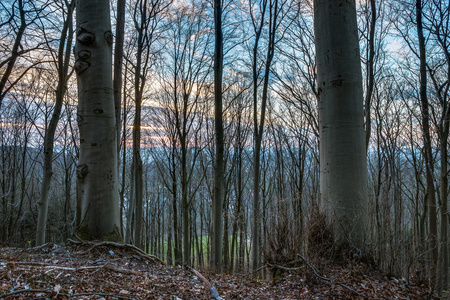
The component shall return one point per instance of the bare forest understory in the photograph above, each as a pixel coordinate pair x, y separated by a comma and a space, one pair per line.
106, 270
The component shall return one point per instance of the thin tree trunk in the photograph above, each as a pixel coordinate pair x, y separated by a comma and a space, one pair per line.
64, 52
238, 211
219, 167
177, 248
257, 144
117, 68
169, 243
370, 71
117, 85
185, 204
444, 259
431, 194
137, 184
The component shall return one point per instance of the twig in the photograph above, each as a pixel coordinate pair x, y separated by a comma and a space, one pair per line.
78, 238
253, 272
213, 290
104, 295
26, 291
74, 242
328, 279
124, 271
284, 268
66, 295
38, 247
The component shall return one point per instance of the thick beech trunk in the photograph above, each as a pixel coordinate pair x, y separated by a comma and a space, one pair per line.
343, 171
96, 170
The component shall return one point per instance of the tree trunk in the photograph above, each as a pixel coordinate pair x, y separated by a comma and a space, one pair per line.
370, 71
444, 259
176, 236
169, 242
118, 63
117, 85
63, 69
219, 162
343, 180
137, 183
96, 170
185, 203
431, 197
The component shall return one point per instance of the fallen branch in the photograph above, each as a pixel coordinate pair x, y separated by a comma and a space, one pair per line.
123, 271
253, 272
211, 287
284, 268
38, 247
79, 269
329, 280
133, 248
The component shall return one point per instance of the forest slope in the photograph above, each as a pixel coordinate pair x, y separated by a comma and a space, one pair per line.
89, 271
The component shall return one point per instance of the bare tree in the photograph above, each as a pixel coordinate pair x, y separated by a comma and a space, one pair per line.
370, 69
145, 21
62, 61
27, 14
118, 66
273, 10
432, 215
219, 169
184, 70
439, 18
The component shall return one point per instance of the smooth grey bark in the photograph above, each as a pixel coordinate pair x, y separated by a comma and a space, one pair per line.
97, 169
343, 171
219, 184
63, 59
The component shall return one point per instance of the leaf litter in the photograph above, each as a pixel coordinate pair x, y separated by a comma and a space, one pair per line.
114, 271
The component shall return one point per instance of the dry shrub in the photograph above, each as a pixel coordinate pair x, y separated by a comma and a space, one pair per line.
282, 247
320, 236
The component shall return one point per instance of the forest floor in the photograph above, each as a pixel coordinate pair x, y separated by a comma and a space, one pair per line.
114, 271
